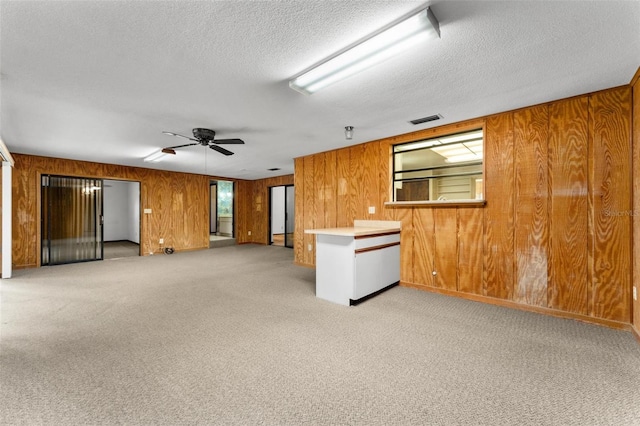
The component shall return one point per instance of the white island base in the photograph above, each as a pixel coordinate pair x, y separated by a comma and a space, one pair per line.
353, 264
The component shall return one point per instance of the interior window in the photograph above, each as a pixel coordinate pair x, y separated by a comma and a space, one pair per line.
443, 168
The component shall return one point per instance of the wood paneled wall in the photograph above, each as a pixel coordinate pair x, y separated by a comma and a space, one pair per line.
252, 201
334, 188
554, 235
635, 82
179, 203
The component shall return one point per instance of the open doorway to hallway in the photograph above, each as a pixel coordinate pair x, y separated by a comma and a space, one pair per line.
121, 219
221, 219
281, 215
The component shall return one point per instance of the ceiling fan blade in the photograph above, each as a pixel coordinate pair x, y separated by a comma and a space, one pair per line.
228, 141
220, 150
182, 146
180, 136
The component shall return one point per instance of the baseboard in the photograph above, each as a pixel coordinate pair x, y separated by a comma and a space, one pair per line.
122, 241
304, 265
191, 249
514, 305
371, 295
25, 266
635, 332
161, 251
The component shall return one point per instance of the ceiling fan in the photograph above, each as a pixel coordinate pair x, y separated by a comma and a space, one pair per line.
204, 137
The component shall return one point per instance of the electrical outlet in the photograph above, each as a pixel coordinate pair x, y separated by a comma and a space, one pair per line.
309, 247
147, 211
635, 293
249, 233
372, 209
161, 240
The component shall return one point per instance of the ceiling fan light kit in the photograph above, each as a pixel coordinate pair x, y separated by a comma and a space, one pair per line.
379, 46
205, 137
204, 134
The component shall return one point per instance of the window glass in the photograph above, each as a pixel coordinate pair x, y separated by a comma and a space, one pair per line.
444, 168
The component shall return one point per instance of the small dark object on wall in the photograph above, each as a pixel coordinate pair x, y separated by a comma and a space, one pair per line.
168, 250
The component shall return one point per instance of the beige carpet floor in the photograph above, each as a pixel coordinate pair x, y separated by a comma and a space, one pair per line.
235, 336
117, 249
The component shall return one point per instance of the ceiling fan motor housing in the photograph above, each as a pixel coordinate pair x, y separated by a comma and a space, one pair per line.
204, 134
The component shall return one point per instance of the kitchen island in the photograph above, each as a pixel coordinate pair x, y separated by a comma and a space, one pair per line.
355, 263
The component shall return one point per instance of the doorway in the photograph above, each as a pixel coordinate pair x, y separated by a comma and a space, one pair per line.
281, 215
221, 218
71, 219
121, 223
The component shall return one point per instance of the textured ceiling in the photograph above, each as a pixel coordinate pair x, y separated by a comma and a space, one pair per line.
100, 80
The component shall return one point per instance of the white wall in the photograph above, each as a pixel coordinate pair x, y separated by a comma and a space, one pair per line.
121, 209
134, 212
291, 210
277, 210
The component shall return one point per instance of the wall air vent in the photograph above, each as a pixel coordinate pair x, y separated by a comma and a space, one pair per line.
425, 119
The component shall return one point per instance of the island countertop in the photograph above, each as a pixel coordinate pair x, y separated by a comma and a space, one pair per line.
355, 263
354, 231
361, 228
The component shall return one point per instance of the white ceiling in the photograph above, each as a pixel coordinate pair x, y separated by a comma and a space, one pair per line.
100, 80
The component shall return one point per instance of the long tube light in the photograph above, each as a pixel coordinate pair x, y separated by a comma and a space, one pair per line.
379, 46
159, 155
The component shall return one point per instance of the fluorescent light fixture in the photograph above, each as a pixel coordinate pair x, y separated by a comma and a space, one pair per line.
462, 137
460, 152
381, 45
463, 158
159, 155
470, 141
416, 145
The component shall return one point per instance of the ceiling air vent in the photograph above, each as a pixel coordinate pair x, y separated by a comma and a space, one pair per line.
425, 119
